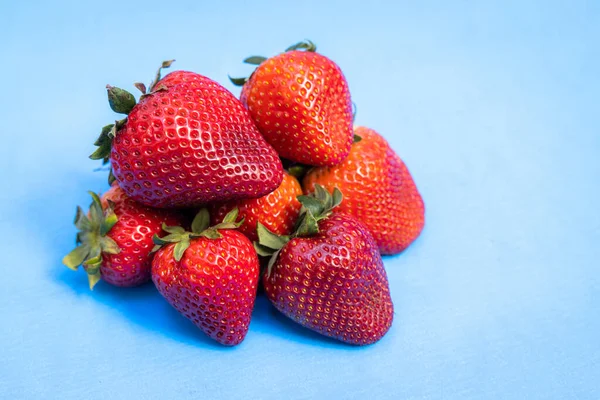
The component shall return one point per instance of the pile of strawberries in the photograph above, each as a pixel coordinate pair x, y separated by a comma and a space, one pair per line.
211, 196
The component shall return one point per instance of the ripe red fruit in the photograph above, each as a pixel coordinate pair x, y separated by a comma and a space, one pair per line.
329, 276
187, 142
115, 238
277, 211
209, 275
301, 103
378, 190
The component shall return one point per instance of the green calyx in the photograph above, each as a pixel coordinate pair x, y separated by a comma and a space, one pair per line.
305, 45
200, 228
122, 102
92, 239
315, 207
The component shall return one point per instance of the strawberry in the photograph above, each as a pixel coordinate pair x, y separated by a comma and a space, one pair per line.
209, 275
187, 142
301, 104
378, 190
328, 276
115, 238
277, 211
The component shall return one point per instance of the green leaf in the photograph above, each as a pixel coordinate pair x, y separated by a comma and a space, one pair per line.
338, 197
304, 45
102, 152
180, 248
272, 261
156, 248
141, 87
238, 81
96, 212
82, 222
323, 196
93, 279
308, 225
201, 221
231, 215
314, 205
94, 259
269, 239
104, 135
228, 225
173, 229
109, 221
109, 246
211, 233
170, 238
76, 257
255, 60
120, 101
263, 251
356, 139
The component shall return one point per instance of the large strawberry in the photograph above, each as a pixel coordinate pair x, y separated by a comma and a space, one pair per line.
301, 104
209, 275
278, 210
187, 142
378, 190
328, 276
115, 238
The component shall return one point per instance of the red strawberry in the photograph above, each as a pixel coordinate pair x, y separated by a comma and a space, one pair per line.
329, 276
301, 104
187, 142
378, 190
277, 211
209, 275
115, 238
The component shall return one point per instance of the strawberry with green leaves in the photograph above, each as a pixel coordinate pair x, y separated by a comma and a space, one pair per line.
301, 103
210, 275
187, 142
115, 238
378, 190
328, 275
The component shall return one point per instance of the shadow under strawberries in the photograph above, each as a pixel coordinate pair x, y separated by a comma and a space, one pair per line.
142, 305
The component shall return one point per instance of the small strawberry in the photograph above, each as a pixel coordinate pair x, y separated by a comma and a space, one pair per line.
187, 142
115, 238
328, 276
277, 211
209, 275
378, 190
301, 104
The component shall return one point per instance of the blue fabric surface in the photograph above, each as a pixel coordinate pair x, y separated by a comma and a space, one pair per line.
493, 106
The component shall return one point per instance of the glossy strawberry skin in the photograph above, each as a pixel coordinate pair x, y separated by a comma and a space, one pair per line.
192, 143
378, 190
334, 282
133, 234
278, 210
214, 284
301, 104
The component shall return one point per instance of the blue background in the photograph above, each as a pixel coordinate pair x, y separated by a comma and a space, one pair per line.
495, 109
